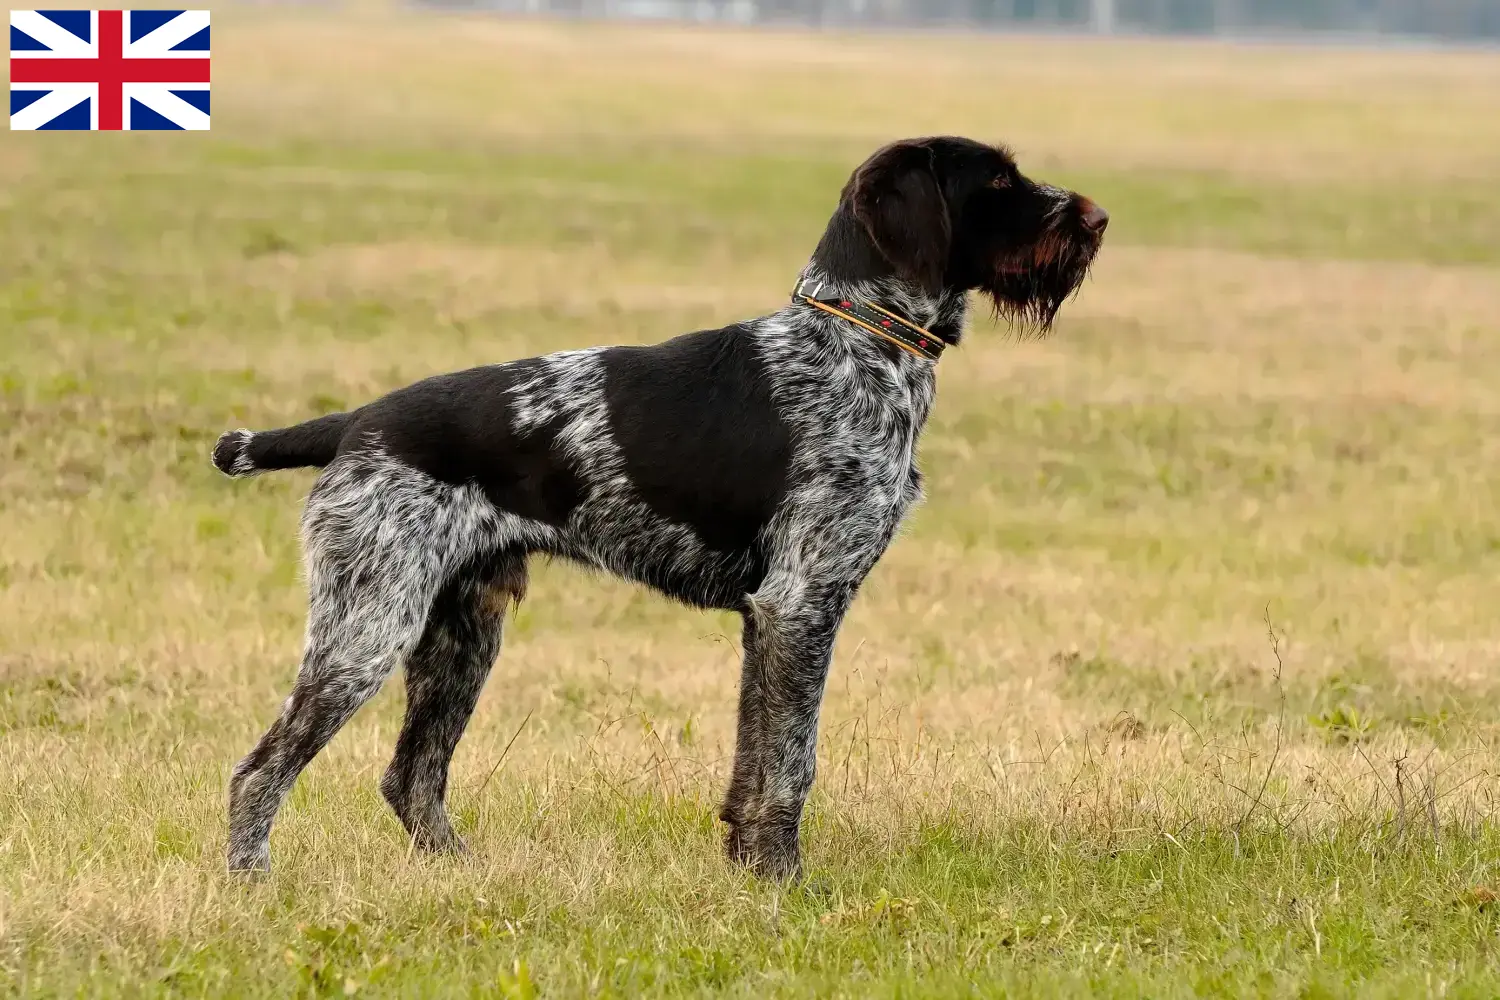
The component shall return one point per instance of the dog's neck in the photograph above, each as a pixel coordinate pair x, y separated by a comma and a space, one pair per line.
847, 262
942, 315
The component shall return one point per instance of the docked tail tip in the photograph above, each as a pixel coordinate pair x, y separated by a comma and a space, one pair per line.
232, 453
309, 445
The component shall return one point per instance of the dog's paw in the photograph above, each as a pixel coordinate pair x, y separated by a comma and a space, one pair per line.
251, 863
769, 852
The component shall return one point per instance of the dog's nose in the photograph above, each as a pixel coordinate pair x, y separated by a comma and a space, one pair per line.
1095, 218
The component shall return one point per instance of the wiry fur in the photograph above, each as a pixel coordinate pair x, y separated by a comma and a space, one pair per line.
762, 468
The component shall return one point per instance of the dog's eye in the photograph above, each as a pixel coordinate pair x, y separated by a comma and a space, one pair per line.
1001, 182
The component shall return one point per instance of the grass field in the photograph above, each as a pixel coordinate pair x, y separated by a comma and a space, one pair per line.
1183, 682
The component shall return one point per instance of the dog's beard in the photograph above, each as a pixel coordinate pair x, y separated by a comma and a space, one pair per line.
1029, 287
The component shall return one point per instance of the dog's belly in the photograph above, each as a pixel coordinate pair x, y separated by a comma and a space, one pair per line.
630, 541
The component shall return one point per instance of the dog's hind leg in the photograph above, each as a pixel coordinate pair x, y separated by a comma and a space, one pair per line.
354, 642
745, 779
380, 543
444, 676
345, 663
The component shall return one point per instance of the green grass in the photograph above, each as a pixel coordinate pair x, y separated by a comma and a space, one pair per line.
951, 915
1181, 682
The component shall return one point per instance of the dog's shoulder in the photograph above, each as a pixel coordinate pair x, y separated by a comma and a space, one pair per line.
698, 431
708, 382
725, 353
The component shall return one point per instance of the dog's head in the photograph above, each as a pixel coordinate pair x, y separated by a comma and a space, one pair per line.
952, 213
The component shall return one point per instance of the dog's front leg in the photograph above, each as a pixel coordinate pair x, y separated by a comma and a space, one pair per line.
789, 635
746, 779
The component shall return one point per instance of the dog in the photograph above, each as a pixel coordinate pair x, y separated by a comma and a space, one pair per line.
761, 468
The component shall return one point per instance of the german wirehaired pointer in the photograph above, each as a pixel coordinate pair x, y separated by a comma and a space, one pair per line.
761, 468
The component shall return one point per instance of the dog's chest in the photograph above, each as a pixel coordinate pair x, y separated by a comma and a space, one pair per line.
860, 445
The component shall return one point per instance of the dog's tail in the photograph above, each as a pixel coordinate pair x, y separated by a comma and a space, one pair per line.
311, 444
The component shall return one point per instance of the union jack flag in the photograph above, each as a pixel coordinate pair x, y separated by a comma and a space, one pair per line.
109, 69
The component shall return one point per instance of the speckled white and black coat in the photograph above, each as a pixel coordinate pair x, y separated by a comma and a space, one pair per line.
761, 468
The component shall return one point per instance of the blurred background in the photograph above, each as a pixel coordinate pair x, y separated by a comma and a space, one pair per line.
1464, 20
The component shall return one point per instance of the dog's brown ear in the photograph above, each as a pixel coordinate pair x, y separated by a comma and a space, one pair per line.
897, 199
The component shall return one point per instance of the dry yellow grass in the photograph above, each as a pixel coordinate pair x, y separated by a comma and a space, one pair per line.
1056, 754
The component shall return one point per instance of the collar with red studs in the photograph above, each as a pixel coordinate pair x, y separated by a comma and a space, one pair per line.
873, 317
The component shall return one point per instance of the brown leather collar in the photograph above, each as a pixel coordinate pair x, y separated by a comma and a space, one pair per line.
873, 317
